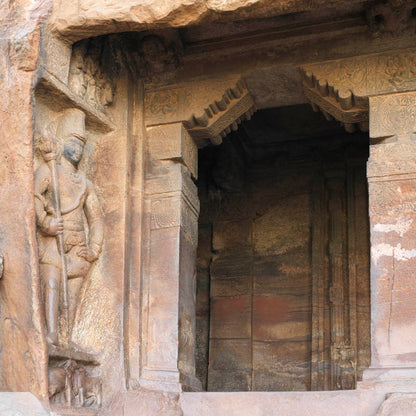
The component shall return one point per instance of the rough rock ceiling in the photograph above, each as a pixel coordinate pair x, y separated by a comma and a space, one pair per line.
227, 34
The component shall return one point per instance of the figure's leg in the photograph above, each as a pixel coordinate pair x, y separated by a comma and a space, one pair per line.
78, 269
51, 285
74, 288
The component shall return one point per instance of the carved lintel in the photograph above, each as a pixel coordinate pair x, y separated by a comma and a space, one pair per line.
341, 89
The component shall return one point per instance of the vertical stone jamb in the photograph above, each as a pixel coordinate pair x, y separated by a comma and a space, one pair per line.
391, 175
134, 233
169, 353
319, 277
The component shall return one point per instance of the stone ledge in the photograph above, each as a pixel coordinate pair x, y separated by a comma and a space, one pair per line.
58, 93
328, 403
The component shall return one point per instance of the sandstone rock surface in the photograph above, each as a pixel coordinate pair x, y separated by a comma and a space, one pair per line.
23, 351
88, 17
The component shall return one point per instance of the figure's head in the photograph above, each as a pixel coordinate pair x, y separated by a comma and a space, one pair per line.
71, 130
73, 150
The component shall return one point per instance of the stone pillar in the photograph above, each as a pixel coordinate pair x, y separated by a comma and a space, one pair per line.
392, 204
169, 292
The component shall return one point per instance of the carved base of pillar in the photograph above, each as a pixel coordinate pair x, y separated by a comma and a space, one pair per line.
169, 381
389, 379
190, 384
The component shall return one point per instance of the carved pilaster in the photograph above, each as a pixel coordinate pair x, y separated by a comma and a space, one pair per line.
392, 185
173, 208
342, 354
319, 372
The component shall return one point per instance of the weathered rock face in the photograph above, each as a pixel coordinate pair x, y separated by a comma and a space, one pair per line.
21, 404
85, 17
398, 404
23, 351
287, 221
288, 278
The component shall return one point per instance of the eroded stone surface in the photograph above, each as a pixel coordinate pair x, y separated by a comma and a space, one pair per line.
88, 17
21, 404
23, 351
398, 404
345, 403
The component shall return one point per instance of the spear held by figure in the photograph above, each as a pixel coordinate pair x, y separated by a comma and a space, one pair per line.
49, 153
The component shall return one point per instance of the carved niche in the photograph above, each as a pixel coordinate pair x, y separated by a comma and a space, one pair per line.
68, 248
88, 77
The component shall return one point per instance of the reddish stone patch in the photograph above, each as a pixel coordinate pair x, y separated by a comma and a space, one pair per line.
271, 309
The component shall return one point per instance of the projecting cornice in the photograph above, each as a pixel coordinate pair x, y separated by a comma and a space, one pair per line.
209, 109
341, 88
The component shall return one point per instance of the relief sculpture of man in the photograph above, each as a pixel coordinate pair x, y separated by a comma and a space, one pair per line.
77, 226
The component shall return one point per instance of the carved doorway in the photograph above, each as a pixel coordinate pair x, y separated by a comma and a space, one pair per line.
283, 261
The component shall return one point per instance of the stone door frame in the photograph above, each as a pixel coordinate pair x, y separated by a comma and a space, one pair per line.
372, 93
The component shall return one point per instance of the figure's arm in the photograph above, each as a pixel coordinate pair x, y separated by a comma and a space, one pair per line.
95, 221
45, 219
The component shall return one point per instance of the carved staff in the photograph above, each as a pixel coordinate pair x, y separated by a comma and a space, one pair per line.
48, 148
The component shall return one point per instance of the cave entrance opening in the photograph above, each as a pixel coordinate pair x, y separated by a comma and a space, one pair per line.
283, 287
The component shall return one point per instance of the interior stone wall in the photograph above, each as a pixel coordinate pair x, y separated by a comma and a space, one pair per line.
258, 251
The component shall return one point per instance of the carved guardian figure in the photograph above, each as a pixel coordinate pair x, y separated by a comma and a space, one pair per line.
77, 202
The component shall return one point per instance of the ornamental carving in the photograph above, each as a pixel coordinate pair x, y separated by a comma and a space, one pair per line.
341, 89
69, 246
208, 109
88, 78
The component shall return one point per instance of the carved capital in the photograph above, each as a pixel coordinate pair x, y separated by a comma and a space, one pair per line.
209, 109
393, 123
393, 115
341, 88
173, 142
